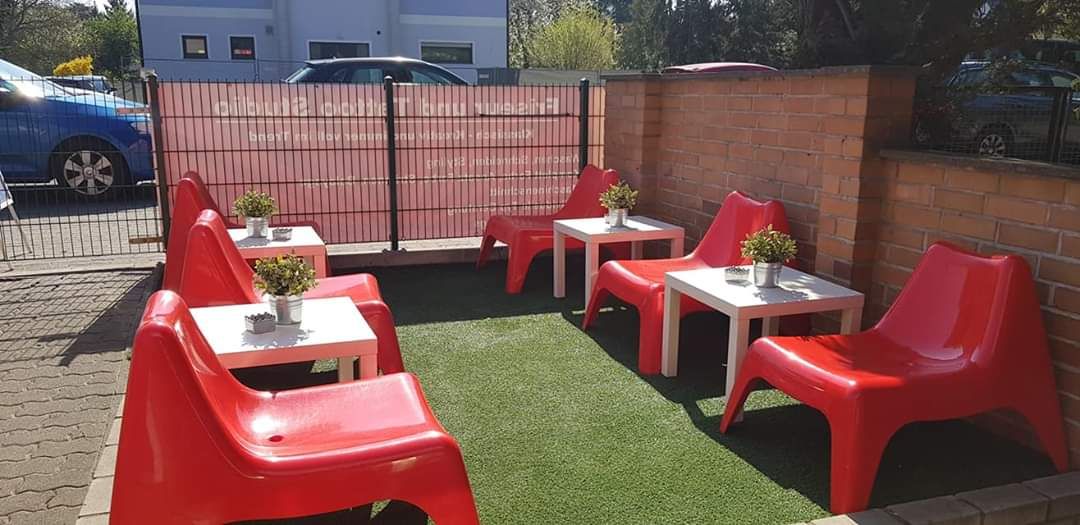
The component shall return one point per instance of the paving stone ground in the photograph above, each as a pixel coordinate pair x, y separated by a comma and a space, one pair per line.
63, 365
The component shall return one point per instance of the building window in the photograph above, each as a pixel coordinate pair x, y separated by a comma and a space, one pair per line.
446, 52
243, 47
194, 46
320, 50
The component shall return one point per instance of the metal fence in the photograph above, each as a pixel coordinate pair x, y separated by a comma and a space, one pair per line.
381, 163
1033, 123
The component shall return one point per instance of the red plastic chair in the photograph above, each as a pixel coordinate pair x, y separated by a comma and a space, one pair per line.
191, 199
641, 282
198, 447
215, 274
527, 236
965, 336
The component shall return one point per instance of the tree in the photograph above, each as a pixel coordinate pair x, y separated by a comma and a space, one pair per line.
38, 34
697, 32
642, 43
527, 18
581, 38
113, 37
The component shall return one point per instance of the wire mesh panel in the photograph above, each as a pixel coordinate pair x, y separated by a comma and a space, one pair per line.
78, 172
318, 149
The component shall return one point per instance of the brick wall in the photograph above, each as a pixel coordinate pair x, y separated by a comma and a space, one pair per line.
995, 207
863, 215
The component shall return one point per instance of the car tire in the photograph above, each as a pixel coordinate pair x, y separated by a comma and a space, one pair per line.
994, 141
90, 167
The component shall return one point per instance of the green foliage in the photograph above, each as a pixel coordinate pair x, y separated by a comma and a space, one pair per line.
284, 275
255, 204
114, 39
527, 18
769, 246
580, 38
619, 197
641, 45
83, 65
39, 34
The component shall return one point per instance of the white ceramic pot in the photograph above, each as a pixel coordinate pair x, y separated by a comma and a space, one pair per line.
767, 275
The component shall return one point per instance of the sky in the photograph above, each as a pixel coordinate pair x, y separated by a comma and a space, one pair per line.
101, 3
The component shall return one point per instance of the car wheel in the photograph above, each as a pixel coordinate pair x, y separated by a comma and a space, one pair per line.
996, 142
90, 167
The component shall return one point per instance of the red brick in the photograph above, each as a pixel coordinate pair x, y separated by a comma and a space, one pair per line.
768, 104
917, 217
797, 193
1067, 299
798, 140
770, 121
921, 173
1016, 209
839, 207
1065, 327
852, 126
916, 193
798, 105
1065, 352
891, 275
1072, 193
830, 106
859, 85
903, 236
972, 180
1041, 188
761, 137
1060, 271
852, 147
841, 167
856, 106
900, 256
969, 226
958, 200
1065, 217
1070, 246
806, 86
804, 123
1032, 238
739, 103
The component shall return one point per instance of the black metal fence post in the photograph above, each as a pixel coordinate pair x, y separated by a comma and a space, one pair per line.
1059, 123
159, 156
391, 161
583, 125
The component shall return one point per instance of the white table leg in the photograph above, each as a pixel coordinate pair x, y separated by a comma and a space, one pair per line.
770, 326
320, 265
677, 247
851, 320
559, 242
636, 249
344, 370
369, 366
592, 267
738, 340
669, 354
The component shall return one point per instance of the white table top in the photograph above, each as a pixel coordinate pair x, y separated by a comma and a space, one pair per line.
302, 236
798, 293
326, 324
637, 228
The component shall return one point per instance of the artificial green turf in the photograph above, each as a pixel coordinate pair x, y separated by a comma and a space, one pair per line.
557, 426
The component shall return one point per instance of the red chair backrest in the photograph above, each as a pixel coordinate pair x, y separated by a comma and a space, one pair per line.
584, 200
185, 417
738, 217
959, 304
191, 199
214, 273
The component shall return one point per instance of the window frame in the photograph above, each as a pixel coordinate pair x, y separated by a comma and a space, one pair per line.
183, 46
471, 45
254, 49
366, 43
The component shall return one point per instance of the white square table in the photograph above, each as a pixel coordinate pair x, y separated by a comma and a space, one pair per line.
330, 329
305, 242
799, 293
596, 231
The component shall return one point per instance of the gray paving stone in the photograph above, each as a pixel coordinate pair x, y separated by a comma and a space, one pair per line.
946, 510
98, 519
868, 517
1012, 504
114, 433
1063, 491
62, 362
98, 497
106, 462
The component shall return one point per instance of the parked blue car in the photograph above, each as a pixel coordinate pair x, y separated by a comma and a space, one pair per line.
89, 142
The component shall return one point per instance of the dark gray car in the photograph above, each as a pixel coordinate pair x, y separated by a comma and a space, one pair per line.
372, 71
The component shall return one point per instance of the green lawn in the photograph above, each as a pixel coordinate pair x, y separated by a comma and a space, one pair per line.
557, 426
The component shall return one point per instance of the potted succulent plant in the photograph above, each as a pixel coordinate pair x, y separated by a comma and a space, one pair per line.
769, 249
256, 208
619, 199
284, 279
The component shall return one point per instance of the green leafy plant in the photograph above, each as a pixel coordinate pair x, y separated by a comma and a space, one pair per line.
769, 246
284, 275
255, 204
619, 197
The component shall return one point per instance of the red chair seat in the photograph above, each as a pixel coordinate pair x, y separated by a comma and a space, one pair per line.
226, 453
964, 336
527, 236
